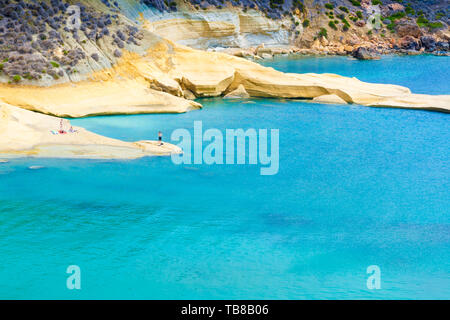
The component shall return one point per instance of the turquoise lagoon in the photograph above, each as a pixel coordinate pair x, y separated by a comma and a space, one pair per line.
356, 187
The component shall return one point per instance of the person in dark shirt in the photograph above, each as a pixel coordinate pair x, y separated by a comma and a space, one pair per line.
160, 138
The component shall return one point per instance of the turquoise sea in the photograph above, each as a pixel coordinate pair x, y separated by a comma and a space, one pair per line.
356, 187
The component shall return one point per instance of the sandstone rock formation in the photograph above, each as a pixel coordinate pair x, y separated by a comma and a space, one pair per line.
365, 54
329, 98
238, 93
29, 134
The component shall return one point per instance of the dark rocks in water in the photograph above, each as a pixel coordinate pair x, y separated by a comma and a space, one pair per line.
443, 45
428, 42
365, 54
410, 43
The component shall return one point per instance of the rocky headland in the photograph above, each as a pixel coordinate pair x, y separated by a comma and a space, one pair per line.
85, 58
29, 134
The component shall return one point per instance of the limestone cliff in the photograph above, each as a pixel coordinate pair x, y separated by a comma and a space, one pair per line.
112, 61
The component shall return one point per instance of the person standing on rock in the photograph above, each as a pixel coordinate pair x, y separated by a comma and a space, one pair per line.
160, 138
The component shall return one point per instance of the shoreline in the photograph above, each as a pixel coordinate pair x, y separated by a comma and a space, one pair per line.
27, 134
268, 53
169, 77
142, 84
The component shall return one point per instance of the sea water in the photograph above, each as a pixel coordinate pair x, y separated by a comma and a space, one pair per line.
356, 187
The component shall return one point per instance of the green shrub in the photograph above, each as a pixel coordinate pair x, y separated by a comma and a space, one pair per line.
1, 67
435, 25
323, 33
54, 64
397, 16
329, 6
345, 22
359, 14
440, 15
305, 23
391, 26
5, 60
376, 2
356, 3
17, 78
410, 10
332, 25
344, 9
422, 21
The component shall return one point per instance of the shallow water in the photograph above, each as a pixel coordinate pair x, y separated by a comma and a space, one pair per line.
356, 187
425, 74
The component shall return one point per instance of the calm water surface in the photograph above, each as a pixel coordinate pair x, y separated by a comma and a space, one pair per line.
356, 187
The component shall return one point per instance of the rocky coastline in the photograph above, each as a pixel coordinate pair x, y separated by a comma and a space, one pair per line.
122, 58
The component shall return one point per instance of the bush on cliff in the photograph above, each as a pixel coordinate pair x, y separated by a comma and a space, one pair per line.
332, 25
323, 33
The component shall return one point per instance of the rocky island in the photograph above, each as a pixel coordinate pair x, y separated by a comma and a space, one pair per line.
84, 58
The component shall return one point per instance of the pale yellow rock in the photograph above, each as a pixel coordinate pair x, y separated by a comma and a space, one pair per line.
330, 98
239, 93
166, 85
125, 88
223, 27
182, 29
188, 94
89, 98
266, 56
439, 103
29, 134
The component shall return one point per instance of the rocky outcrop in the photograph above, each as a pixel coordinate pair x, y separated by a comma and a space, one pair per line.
330, 98
224, 27
125, 88
238, 93
29, 134
408, 28
428, 43
155, 75
409, 43
365, 54
90, 98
